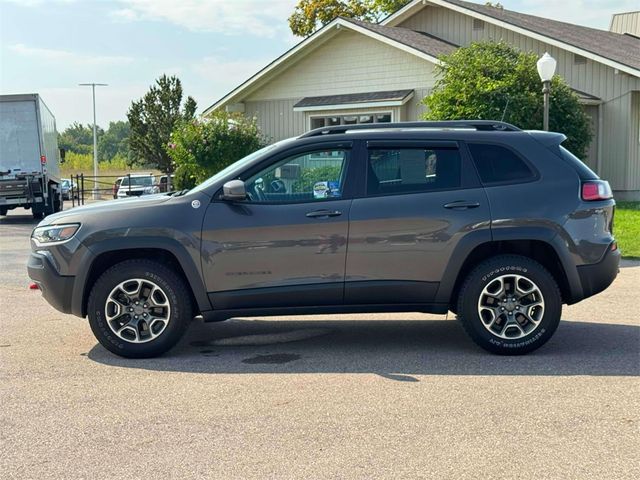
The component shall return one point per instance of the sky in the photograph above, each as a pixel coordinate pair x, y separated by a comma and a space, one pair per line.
49, 46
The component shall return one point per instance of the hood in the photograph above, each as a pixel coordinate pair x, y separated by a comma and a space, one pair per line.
102, 207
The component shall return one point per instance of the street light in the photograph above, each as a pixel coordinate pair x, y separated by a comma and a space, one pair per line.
546, 68
95, 136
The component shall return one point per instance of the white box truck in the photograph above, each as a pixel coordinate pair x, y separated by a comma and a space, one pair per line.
29, 156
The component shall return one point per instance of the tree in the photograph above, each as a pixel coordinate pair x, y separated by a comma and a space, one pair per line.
494, 81
201, 148
153, 118
115, 141
309, 15
78, 139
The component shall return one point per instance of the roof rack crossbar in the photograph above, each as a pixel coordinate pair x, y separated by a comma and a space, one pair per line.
483, 125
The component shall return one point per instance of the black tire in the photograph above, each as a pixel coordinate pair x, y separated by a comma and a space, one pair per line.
3, 211
37, 215
177, 294
487, 272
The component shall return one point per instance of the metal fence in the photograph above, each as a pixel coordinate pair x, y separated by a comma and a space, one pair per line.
103, 187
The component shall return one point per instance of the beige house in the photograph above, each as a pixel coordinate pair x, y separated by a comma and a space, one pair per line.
352, 72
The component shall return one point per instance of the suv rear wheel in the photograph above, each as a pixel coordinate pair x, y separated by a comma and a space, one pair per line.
139, 309
510, 305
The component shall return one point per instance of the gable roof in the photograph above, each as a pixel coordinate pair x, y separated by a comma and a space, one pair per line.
421, 41
613, 49
420, 44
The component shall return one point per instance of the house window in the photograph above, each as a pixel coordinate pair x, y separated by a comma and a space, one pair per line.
478, 24
353, 119
579, 59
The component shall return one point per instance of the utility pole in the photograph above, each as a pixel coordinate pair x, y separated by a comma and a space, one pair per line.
95, 136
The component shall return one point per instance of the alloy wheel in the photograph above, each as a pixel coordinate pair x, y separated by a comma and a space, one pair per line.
137, 310
511, 306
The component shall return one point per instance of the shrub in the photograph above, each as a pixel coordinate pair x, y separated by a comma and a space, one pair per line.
202, 147
487, 80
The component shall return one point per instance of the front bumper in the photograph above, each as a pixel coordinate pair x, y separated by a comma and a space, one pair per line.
56, 289
598, 276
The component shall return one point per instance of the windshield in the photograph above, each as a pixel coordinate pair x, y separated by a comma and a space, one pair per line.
138, 181
66, 183
239, 165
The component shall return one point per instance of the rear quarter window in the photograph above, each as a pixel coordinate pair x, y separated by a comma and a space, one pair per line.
498, 164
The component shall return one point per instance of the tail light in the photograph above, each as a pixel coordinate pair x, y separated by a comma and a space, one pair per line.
594, 190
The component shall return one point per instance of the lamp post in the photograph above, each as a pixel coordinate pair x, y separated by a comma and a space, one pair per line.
95, 136
546, 68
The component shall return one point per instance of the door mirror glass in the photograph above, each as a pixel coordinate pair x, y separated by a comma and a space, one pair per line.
234, 190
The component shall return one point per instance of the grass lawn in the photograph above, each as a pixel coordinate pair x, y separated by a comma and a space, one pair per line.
626, 228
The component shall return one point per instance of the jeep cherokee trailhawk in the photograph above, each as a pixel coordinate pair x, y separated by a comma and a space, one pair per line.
499, 225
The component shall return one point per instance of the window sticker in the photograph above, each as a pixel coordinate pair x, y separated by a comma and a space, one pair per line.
326, 189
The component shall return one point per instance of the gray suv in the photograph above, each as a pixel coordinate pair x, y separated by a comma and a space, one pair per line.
499, 225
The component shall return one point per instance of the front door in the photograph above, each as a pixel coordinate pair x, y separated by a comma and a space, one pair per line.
286, 244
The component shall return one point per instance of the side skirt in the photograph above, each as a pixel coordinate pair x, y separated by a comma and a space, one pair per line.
220, 315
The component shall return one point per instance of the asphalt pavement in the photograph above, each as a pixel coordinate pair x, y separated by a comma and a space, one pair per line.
336, 396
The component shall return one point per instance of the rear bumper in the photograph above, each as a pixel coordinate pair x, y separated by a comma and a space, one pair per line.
598, 276
56, 289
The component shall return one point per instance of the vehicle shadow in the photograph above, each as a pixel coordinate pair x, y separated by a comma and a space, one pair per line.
393, 349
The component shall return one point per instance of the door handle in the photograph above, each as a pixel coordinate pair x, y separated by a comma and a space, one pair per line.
324, 213
461, 205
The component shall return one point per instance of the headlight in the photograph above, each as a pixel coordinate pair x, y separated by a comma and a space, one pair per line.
154, 189
54, 234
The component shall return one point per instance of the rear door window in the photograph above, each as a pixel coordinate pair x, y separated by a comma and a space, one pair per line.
411, 170
498, 164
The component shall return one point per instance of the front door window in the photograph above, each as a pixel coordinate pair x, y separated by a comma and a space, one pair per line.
309, 177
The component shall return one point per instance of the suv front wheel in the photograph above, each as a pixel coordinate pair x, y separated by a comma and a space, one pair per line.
139, 309
510, 305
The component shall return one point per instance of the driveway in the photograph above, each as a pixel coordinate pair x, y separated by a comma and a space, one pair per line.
341, 396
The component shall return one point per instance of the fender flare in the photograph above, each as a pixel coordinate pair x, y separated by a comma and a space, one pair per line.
172, 245
474, 240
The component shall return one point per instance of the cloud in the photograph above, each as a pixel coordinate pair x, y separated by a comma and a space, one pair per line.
69, 58
247, 17
35, 3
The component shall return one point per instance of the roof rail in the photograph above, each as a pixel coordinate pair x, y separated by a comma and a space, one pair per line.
483, 125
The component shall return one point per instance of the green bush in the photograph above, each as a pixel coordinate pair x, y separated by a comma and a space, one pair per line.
311, 176
489, 80
202, 147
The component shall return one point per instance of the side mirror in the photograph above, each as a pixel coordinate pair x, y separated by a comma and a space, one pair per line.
63, 152
234, 190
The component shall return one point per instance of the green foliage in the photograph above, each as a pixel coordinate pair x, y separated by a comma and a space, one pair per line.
627, 228
309, 15
114, 142
78, 138
153, 118
201, 148
311, 176
488, 79
83, 162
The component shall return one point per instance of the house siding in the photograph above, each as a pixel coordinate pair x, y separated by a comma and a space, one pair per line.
634, 144
276, 118
348, 63
626, 23
593, 78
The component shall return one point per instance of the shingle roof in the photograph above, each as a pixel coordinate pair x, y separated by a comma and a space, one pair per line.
624, 49
420, 41
367, 97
